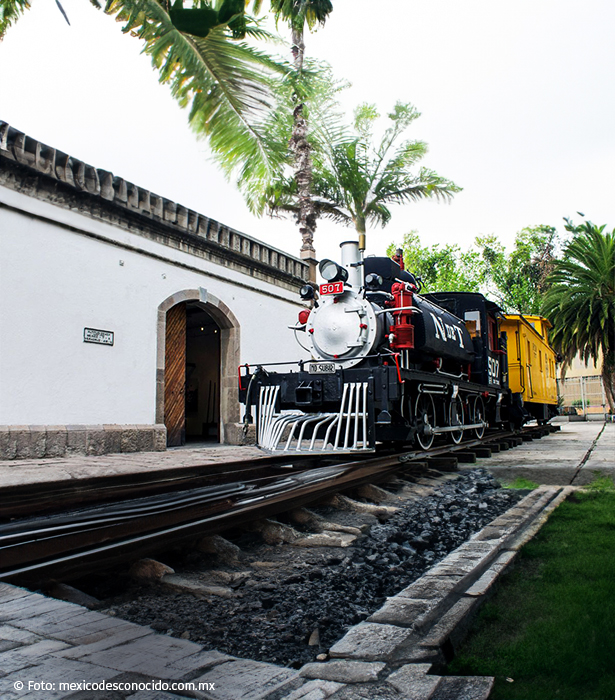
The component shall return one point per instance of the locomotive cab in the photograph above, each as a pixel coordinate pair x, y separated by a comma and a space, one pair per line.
482, 318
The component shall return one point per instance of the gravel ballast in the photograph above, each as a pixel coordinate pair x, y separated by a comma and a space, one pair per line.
296, 602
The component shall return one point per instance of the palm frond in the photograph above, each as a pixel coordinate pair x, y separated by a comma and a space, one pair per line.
223, 82
10, 12
329, 210
299, 13
355, 182
318, 89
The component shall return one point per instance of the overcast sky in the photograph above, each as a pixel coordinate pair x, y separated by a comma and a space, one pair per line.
517, 102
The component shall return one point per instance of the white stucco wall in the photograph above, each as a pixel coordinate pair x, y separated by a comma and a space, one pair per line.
68, 272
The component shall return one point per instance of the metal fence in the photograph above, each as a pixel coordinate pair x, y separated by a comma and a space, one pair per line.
582, 396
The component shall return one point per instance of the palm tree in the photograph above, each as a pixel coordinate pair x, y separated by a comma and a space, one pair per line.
580, 302
355, 182
299, 14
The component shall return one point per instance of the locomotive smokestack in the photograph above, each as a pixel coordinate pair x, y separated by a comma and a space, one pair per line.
351, 260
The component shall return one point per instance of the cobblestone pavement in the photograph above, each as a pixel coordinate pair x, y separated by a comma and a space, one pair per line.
33, 471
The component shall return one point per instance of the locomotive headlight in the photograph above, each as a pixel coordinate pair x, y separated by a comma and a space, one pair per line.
332, 272
307, 292
373, 281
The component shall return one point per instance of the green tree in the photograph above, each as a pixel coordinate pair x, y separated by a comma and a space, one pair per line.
442, 269
580, 302
518, 280
356, 181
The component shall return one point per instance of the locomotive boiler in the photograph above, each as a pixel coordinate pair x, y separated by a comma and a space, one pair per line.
389, 365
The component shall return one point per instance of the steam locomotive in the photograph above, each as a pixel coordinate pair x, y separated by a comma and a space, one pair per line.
389, 365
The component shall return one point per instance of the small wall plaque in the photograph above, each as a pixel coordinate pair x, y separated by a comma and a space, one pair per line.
94, 335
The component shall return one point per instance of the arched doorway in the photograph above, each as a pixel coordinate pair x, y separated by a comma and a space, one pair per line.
198, 354
202, 376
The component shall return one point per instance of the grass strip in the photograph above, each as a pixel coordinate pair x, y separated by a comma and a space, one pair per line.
549, 631
521, 483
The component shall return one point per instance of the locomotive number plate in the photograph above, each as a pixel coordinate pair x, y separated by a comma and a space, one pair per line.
332, 288
321, 368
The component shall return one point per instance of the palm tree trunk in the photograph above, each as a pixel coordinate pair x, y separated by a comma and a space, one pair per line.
608, 382
306, 217
360, 226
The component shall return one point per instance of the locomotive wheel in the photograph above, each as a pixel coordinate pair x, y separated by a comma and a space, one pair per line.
425, 412
455, 417
478, 416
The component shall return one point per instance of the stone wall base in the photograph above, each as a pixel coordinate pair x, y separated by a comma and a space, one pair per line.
37, 441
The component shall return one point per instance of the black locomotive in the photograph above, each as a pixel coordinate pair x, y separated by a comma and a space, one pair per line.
389, 365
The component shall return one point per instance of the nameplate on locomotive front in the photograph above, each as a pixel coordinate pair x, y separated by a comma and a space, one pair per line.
321, 368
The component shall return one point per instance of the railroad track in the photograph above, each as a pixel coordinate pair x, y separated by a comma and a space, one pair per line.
184, 504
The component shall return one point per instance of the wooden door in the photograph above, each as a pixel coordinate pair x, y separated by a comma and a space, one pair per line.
175, 376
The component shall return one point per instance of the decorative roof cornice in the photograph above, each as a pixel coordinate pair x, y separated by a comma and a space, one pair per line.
69, 182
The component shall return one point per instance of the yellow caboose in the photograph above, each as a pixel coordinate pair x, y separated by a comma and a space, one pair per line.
531, 364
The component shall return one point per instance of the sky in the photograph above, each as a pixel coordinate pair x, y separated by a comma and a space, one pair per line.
517, 102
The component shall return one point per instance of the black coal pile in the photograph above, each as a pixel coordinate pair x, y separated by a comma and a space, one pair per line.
290, 617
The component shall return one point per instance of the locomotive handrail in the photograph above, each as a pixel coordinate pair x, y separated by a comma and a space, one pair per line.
256, 365
400, 308
249, 365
